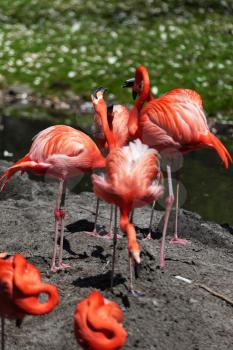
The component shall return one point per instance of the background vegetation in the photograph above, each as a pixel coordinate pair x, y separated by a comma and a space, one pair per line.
67, 47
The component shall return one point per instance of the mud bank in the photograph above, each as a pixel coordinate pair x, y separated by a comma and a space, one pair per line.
173, 315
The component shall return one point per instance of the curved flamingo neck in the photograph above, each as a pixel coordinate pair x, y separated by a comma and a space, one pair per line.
142, 77
27, 279
99, 318
129, 230
106, 129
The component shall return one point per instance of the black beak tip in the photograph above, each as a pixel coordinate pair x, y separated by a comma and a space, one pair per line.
134, 94
128, 83
99, 89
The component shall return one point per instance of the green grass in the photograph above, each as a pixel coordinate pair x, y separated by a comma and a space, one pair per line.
89, 43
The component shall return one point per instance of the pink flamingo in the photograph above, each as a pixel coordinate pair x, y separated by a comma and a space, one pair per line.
20, 289
173, 122
117, 117
98, 323
58, 152
129, 182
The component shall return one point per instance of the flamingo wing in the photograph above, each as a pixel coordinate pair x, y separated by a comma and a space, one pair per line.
177, 120
173, 119
130, 174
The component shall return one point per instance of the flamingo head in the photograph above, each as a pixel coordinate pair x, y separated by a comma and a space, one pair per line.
97, 98
140, 84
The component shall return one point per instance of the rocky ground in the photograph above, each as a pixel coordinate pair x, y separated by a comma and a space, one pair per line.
173, 315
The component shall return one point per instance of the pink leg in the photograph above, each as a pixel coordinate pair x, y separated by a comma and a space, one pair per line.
111, 233
53, 267
59, 215
94, 233
131, 216
169, 203
135, 293
176, 239
2, 333
61, 265
114, 244
148, 237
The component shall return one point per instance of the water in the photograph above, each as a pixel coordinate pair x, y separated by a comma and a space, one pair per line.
207, 187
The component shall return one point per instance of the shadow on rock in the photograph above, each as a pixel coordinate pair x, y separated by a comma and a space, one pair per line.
66, 247
98, 253
80, 226
155, 234
101, 281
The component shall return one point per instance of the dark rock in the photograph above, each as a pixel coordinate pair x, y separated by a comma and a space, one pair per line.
172, 314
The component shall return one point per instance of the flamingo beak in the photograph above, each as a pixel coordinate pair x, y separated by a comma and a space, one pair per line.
99, 89
128, 83
134, 94
136, 257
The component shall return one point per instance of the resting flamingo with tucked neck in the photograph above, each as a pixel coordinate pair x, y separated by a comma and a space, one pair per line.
117, 118
98, 323
59, 152
20, 289
129, 181
174, 122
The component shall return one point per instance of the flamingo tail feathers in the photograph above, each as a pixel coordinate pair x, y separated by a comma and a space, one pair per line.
212, 141
20, 165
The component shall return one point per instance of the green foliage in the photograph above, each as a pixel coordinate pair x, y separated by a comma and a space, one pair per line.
84, 44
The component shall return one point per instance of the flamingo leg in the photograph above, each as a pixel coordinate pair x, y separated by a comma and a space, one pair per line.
111, 232
94, 232
176, 239
2, 333
131, 216
111, 217
169, 203
115, 236
59, 215
134, 292
148, 237
61, 265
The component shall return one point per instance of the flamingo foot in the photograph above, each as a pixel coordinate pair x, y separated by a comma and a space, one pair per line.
94, 233
63, 266
176, 240
148, 237
110, 236
60, 266
136, 293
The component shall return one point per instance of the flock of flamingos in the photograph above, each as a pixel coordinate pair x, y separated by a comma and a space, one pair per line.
132, 179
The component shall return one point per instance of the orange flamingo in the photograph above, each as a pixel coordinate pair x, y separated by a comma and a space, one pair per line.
129, 180
59, 152
20, 289
98, 323
172, 122
117, 118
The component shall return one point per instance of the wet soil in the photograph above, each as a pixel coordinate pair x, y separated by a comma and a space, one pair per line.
173, 315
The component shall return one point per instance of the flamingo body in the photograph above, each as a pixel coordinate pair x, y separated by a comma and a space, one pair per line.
98, 323
59, 152
177, 120
20, 288
129, 183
